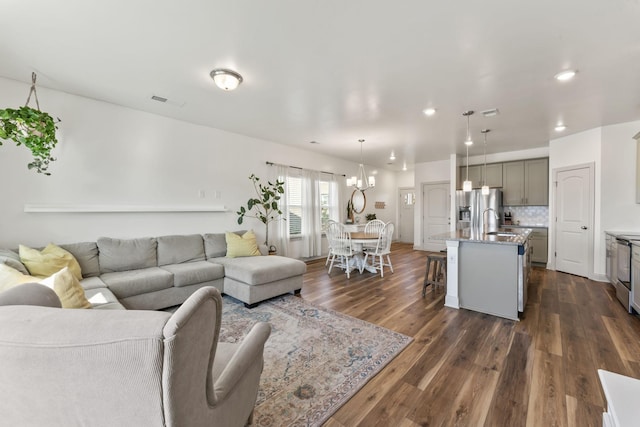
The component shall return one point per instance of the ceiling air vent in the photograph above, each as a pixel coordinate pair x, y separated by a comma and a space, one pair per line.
159, 98
490, 113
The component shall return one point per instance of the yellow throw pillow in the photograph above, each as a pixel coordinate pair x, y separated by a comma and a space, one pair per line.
239, 246
64, 284
49, 261
10, 277
68, 289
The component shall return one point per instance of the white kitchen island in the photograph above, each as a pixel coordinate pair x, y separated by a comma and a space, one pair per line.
487, 273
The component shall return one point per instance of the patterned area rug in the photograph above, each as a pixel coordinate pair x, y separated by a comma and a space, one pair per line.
315, 358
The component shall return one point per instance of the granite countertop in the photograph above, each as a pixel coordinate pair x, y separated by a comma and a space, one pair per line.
517, 236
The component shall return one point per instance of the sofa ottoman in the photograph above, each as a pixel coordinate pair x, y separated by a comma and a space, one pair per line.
257, 278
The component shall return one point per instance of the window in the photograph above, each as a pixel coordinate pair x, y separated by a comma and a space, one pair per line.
325, 202
294, 197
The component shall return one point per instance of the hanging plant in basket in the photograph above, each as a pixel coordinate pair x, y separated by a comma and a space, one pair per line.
32, 128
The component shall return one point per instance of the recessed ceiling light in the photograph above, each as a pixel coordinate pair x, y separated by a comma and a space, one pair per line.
560, 128
429, 111
404, 167
392, 156
565, 75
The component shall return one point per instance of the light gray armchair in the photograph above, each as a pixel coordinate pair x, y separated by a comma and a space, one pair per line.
64, 367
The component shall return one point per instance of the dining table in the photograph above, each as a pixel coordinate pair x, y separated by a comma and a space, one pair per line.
358, 240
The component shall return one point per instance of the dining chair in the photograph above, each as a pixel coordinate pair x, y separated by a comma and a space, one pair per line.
332, 228
375, 226
383, 248
341, 248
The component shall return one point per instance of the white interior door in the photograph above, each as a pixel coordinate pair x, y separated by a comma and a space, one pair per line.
436, 206
405, 217
574, 220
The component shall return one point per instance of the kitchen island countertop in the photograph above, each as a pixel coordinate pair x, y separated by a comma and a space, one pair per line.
517, 236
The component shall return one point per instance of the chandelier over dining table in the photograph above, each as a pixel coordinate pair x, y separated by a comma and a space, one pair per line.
361, 181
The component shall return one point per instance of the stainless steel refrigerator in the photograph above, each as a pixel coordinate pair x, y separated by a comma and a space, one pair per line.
474, 208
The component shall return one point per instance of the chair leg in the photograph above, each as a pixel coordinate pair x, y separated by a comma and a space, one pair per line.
381, 267
328, 256
364, 262
347, 267
333, 258
389, 261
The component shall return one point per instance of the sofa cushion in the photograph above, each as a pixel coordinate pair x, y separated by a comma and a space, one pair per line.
192, 273
179, 249
92, 283
103, 298
86, 253
126, 254
215, 244
135, 282
48, 261
261, 269
10, 277
12, 259
241, 246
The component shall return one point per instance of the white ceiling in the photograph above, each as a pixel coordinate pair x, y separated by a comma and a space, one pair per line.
336, 71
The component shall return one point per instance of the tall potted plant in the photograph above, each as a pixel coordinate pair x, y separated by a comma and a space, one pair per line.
32, 128
266, 206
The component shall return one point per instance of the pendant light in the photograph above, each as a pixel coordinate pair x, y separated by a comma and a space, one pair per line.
466, 185
485, 187
360, 181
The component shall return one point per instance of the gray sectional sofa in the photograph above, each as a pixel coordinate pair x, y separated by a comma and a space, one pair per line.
159, 272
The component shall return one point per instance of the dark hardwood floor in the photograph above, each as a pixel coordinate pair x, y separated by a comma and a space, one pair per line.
470, 369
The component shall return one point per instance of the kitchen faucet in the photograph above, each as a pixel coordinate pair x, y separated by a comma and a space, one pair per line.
485, 223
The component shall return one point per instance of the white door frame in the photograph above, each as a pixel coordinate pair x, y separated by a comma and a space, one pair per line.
551, 264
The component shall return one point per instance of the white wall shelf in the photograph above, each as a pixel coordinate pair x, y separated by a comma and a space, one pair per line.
73, 208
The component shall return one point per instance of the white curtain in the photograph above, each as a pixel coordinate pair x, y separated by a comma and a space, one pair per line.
311, 221
335, 199
281, 235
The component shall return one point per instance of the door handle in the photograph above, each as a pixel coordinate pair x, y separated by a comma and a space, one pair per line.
584, 227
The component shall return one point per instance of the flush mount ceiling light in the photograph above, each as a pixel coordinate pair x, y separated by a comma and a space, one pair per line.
565, 75
360, 181
466, 185
429, 111
485, 187
226, 79
560, 127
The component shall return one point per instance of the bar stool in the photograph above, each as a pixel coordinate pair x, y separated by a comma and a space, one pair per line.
437, 265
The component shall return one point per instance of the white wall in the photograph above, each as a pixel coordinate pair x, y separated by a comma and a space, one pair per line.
619, 208
112, 155
577, 149
429, 172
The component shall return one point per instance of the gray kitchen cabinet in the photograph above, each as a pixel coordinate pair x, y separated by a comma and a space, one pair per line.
494, 175
475, 176
525, 183
536, 182
513, 183
538, 245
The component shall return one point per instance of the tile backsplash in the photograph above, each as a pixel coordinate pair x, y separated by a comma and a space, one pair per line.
529, 215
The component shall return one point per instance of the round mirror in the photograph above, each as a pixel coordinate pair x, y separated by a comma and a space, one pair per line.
359, 201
